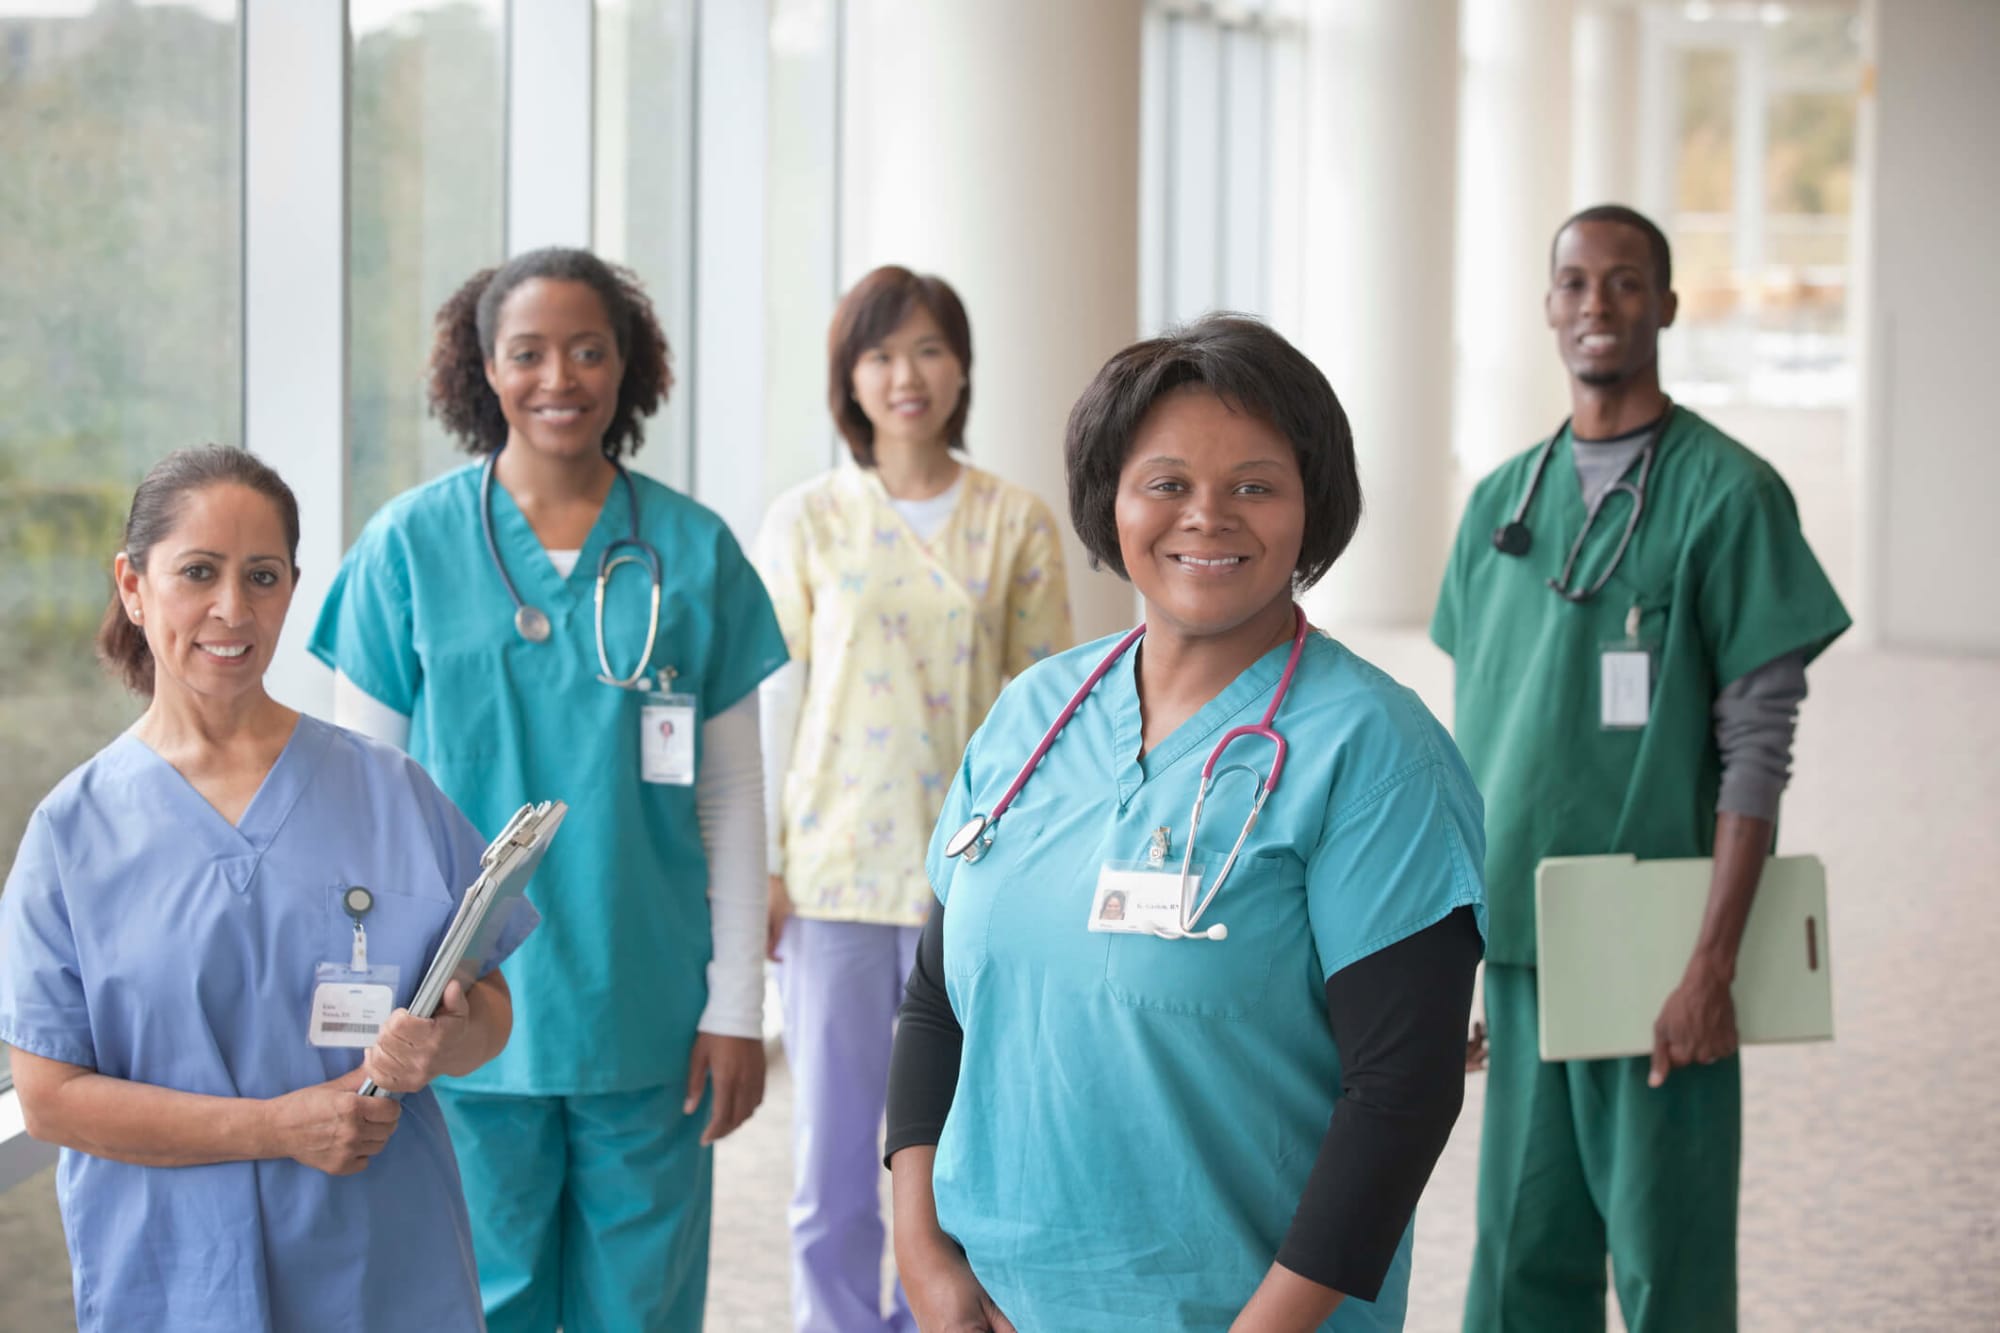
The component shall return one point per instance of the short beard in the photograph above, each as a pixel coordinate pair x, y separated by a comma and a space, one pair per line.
1601, 379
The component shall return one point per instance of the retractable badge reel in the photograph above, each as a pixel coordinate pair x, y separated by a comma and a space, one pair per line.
1625, 679
666, 734
352, 1000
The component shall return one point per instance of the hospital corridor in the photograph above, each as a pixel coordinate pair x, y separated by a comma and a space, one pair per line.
999, 666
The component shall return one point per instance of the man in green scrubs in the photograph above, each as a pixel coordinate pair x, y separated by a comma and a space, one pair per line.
1596, 717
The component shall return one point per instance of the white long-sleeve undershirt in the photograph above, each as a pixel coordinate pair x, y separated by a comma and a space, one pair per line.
729, 809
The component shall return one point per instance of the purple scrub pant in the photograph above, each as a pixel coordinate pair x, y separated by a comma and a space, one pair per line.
841, 982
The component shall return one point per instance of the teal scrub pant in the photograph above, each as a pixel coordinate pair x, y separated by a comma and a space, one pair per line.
587, 1212
1581, 1158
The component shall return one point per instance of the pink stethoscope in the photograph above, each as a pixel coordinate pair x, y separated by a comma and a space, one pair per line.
972, 840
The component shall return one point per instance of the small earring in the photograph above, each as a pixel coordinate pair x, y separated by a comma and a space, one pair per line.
136, 614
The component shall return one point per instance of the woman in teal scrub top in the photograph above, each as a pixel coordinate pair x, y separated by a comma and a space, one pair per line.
546, 623
1125, 1119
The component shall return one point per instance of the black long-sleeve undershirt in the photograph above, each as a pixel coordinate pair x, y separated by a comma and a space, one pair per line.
1398, 1019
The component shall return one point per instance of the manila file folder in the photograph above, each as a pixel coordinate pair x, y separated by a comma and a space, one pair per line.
1614, 934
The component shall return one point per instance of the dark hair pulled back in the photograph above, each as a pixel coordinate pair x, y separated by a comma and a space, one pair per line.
469, 321
156, 508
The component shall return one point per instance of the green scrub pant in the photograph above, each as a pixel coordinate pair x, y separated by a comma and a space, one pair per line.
1580, 1158
587, 1212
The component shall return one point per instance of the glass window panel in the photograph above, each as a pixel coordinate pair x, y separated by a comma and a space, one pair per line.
644, 209
426, 146
120, 279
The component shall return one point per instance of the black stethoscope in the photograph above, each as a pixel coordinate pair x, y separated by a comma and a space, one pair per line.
529, 621
1514, 537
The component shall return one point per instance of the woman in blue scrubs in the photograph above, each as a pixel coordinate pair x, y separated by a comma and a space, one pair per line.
1161, 1115
546, 623
167, 936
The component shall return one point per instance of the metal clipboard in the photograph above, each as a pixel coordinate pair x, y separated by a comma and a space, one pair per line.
505, 868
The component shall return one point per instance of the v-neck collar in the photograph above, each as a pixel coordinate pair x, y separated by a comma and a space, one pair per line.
1569, 487
528, 562
264, 817
872, 482
1128, 725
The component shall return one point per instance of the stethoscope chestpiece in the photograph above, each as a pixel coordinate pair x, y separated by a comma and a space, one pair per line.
531, 624
1512, 538
971, 840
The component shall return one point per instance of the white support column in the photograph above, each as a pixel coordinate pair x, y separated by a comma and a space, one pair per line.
549, 131
998, 145
295, 296
1380, 330
1514, 190
728, 354
1750, 139
1604, 124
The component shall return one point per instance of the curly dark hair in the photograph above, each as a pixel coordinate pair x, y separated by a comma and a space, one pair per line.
1251, 367
469, 321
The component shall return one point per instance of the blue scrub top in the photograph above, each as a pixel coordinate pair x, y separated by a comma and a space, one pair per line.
608, 992
1135, 1118
145, 937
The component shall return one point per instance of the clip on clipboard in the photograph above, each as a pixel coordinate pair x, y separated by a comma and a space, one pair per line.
505, 868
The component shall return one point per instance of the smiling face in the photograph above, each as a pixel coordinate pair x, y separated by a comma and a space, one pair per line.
908, 385
1211, 513
1606, 305
213, 595
555, 368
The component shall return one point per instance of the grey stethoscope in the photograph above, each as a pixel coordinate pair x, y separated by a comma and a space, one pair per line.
529, 621
976, 836
1514, 538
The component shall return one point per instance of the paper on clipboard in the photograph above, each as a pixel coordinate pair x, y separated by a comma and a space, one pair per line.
1613, 935
505, 868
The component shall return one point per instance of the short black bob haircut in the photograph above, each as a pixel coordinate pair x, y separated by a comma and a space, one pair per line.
469, 321
1244, 362
1656, 240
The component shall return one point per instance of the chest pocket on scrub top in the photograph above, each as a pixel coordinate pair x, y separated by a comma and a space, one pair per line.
1227, 978
404, 928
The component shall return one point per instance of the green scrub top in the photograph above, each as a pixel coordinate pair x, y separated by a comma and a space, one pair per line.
1135, 1118
607, 998
1723, 581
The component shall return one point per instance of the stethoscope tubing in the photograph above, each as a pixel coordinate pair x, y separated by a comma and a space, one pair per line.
972, 840
1514, 537
610, 558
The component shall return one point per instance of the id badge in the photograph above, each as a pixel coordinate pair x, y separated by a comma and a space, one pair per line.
350, 1004
1141, 900
1625, 680
666, 739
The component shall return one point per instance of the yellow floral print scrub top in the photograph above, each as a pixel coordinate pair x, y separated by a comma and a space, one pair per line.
905, 646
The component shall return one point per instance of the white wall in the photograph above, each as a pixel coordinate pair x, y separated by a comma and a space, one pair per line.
1930, 279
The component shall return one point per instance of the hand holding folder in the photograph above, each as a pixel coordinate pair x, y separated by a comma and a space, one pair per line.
505, 868
1614, 933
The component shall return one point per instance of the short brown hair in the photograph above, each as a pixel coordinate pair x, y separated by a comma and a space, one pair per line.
865, 316
156, 507
469, 321
1248, 365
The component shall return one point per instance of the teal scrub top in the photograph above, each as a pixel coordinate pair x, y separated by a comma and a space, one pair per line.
1135, 1118
608, 991
1723, 581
